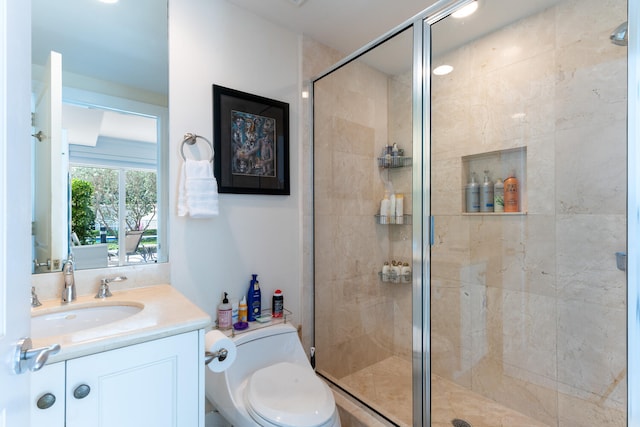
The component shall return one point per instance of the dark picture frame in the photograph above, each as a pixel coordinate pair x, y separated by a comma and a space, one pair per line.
251, 140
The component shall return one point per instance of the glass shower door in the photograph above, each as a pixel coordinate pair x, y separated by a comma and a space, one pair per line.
363, 227
528, 306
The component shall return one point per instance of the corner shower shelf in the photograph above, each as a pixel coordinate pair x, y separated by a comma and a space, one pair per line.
393, 220
395, 278
394, 161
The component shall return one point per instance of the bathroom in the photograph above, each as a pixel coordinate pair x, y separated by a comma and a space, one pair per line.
248, 235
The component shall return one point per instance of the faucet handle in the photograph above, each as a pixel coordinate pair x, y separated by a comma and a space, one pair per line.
103, 291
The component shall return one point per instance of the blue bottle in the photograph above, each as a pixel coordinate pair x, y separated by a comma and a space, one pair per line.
254, 299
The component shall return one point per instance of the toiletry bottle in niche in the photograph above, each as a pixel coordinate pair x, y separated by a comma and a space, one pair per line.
399, 208
396, 268
486, 194
277, 304
254, 299
386, 271
224, 314
242, 310
384, 209
498, 196
511, 193
406, 273
392, 208
472, 195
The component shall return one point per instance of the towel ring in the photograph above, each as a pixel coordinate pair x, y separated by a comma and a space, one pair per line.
191, 138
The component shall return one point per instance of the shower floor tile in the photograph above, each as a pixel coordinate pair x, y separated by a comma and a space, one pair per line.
386, 386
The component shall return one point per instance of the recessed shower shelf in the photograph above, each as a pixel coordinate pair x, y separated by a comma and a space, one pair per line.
493, 213
393, 220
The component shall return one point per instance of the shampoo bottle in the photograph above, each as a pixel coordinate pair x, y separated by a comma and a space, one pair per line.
385, 205
392, 208
386, 271
472, 195
498, 196
511, 203
224, 314
254, 299
406, 273
399, 208
486, 194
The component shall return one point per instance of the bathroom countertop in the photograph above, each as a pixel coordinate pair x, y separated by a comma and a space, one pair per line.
165, 312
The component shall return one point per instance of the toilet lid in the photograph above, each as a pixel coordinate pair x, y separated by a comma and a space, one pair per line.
289, 395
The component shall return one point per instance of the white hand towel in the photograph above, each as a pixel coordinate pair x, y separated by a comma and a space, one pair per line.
197, 190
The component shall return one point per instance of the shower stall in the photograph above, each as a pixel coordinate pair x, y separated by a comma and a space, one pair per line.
432, 314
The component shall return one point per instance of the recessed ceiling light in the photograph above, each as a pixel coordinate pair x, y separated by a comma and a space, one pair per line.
108, 1
442, 70
297, 2
465, 11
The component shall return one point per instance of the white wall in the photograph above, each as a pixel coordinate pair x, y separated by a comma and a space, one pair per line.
214, 42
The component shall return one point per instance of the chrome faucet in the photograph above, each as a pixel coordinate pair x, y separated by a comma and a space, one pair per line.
69, 291
35, 302
103, 291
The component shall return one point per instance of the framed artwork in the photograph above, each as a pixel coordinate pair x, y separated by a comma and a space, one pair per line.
251, 140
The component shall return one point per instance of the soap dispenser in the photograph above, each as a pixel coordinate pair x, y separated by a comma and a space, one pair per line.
224, 314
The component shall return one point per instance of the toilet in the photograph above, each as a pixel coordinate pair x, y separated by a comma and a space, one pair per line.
271, 383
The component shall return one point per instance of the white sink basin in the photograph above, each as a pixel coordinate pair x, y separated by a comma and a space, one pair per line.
71, 319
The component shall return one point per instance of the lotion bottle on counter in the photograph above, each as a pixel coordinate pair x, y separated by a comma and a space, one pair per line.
254, 299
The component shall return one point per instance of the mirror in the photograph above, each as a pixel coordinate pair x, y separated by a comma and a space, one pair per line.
100, 103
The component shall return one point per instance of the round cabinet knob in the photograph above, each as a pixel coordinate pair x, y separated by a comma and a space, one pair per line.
81, 391
46, 401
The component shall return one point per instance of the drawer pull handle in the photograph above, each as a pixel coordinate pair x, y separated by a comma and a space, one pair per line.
46, 401
81, 391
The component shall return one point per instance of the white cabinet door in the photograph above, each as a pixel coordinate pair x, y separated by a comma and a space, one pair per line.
149, 384
47, 395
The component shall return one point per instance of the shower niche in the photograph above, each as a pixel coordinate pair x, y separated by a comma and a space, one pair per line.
498, 164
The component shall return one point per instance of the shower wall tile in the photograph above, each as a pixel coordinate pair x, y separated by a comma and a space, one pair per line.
588, 22
587, 271
541, 178
513, 44
592, 350
590, 169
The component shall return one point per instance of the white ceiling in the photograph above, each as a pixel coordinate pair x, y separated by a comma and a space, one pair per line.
348, 25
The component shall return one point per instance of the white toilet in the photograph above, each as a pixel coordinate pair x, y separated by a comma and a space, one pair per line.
271, 383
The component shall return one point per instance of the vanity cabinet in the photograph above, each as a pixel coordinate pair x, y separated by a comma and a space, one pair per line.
155, 383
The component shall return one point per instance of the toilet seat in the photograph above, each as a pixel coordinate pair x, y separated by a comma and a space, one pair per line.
288, 395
